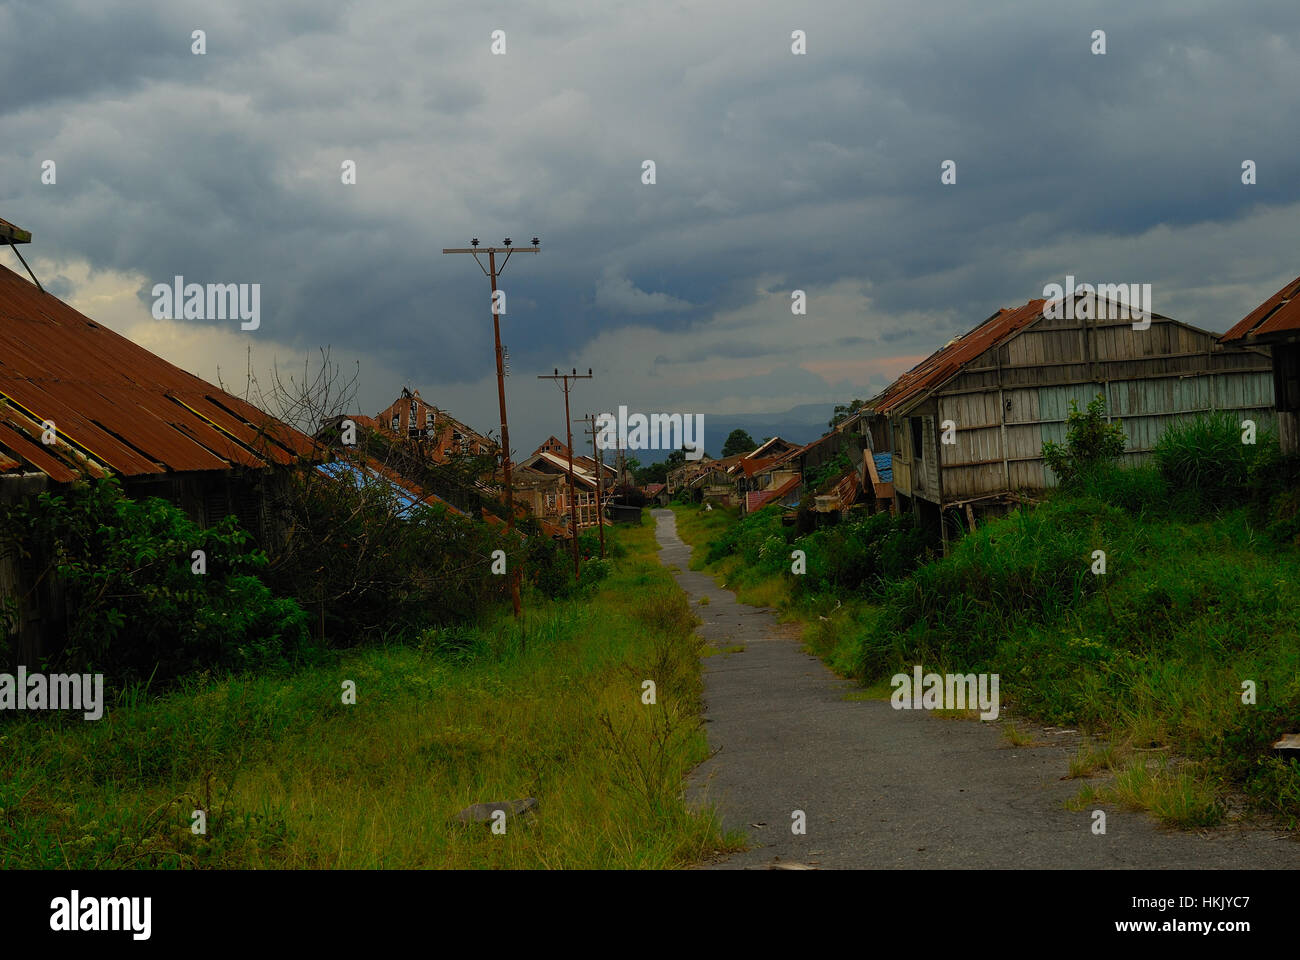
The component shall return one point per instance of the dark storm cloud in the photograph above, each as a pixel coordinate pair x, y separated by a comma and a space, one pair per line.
774, 171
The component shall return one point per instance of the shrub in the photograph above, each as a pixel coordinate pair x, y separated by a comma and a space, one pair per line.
1274, 481
368, 571
1090, 443
1031, 565
1206, 457
1137, 490
135, 605
860, 555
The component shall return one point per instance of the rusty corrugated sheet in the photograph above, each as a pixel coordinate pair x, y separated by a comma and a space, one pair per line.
947, 361
119, 406
1280, 313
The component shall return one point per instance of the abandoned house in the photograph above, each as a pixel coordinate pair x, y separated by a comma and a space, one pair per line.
79, 401
1275, 326
542, 482
965, 427
441, 436
420, 445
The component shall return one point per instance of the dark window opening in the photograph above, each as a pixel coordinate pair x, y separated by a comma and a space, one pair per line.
1286, 374
915, 426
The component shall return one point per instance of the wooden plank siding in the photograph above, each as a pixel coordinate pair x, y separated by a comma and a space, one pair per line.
1010, 399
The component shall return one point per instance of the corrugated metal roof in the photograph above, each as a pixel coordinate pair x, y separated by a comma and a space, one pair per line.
756, 499
1279, 314
580, 472
946, 361
114, 404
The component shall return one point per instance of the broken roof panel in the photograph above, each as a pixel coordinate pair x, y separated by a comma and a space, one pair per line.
407, 497
1277, 316
948, 359
113, 403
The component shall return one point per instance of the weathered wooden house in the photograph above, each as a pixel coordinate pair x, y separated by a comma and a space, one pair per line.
966, 426
440, 435
771, 473
1275, 326
78, 401
542, 482
681, 476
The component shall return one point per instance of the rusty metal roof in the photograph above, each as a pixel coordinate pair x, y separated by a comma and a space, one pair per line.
945, 362
115, 406
1277, 316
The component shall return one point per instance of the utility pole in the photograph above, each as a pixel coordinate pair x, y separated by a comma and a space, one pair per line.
599, 457
568, 427
492, 273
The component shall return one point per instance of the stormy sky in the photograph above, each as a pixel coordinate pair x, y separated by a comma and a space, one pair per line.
774, 172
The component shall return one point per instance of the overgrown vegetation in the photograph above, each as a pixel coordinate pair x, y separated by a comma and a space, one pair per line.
1091, 444
291, 777
150, 592
367, 569
1200, 594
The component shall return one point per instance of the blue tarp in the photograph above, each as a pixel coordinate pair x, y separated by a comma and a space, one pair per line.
884, 466
405, 500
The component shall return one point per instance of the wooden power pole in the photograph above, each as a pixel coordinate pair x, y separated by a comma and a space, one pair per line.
492, 273
599, 456
568, 428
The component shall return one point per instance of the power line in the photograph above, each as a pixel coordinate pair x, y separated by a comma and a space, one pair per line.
492, 273
599, 457
568, 428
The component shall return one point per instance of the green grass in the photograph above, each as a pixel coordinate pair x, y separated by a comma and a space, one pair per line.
293, 778
1175, 797
1150, 656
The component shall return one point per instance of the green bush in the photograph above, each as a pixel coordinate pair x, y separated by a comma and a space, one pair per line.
1274, 480
1138, 490
370, 571
1090, 443
135, 605
860, 555
1205, 456
1032, 565
747, 537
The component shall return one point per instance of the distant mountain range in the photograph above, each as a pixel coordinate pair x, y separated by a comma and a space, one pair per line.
802, 424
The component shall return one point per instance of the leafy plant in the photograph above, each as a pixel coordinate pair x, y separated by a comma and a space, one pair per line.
137, 602
1206, 457
1090, 443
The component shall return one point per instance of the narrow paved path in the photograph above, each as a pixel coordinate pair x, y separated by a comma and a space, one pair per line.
897, 788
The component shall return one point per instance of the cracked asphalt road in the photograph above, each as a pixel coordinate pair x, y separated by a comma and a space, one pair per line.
885, 788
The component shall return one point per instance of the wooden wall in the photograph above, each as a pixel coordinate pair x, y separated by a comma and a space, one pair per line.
1011, 399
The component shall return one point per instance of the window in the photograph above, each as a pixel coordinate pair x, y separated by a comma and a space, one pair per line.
396, 421
1286, 374
914, 423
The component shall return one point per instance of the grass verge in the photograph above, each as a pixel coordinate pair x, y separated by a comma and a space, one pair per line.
290, 777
